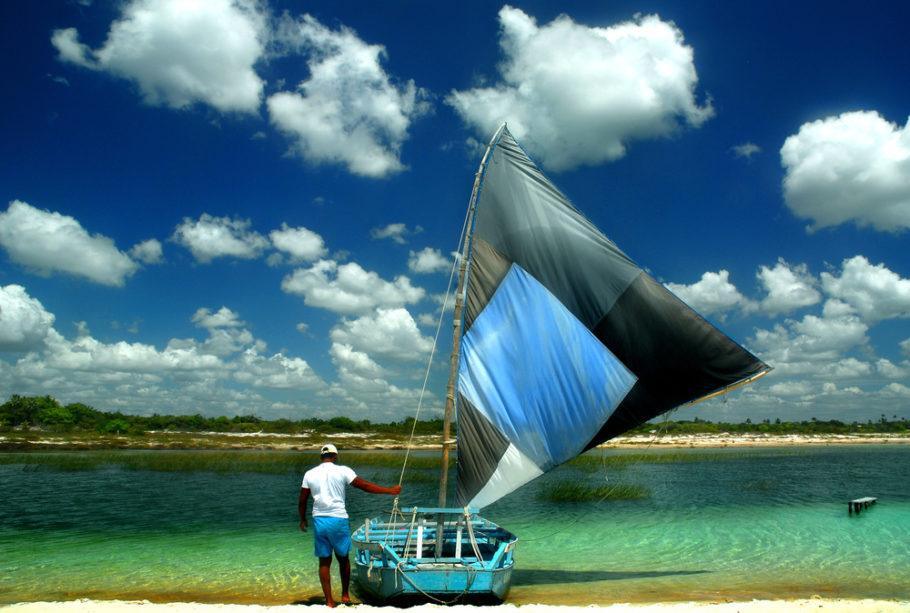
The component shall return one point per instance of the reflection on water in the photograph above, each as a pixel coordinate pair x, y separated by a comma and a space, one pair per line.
729, 523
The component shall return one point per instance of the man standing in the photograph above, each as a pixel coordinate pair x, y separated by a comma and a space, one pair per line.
331, 530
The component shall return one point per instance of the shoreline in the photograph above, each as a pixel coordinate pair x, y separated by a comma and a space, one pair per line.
752, 606
360, 442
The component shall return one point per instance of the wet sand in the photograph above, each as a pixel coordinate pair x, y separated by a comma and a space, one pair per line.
754, 606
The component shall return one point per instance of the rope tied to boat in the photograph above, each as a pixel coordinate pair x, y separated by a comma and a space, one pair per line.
472, 573
471, 537
407, 541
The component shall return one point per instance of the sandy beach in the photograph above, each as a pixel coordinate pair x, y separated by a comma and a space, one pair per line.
360, 441
753, 606
752, 440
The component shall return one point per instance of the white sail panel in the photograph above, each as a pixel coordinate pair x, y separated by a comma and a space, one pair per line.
514, 470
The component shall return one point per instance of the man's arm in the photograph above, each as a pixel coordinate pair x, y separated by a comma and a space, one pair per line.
372, 488
301, 506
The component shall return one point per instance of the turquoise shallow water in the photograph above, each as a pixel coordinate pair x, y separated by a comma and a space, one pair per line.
735, 523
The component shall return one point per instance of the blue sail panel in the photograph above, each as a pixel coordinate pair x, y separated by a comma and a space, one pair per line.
537, 374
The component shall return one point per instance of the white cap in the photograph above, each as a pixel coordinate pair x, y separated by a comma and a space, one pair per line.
328, 448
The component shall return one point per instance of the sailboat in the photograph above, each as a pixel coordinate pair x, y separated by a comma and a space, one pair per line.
561, 342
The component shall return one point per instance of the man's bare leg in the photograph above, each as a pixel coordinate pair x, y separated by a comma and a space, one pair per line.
325, 565
344, 566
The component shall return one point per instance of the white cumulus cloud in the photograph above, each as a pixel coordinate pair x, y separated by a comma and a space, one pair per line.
181, 52
277, 371
357, 363
428, 260
791, 388
788, 287
391, 333
148, 251
348, 288
222, 318
896, 390
212, 237
226, 334
302, 244
875, 291
221, 374
349, 111
49, 242
427, 319
890, 370
815, 346
576, 95
713, 293
24, 323
86, 353
746, 150
853, 167
395, 232
69, 49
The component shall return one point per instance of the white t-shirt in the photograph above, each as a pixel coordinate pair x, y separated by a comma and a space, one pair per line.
327, 483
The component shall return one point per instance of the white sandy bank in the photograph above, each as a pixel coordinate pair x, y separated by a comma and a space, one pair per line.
838, 605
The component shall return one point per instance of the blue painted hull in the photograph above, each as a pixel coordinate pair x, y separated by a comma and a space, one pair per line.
398, 561
443, 581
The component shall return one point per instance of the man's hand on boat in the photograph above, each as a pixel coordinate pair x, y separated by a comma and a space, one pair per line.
372, 488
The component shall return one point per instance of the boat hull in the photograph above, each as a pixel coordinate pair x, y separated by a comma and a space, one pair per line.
401, 561
446, 582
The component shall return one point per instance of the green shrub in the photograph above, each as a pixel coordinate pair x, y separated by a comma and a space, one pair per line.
572, 491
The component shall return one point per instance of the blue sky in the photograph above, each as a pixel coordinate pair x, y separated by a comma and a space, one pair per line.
246, 207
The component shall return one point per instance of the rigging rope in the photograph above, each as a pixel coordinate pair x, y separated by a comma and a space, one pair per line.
445, 304
471, 575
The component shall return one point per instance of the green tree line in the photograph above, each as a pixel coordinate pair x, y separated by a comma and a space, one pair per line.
47, 414
813, 426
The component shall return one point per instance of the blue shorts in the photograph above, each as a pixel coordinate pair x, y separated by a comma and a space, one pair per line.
331, 534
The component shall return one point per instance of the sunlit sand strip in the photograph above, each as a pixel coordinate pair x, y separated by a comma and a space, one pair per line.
754, 606
754, 440
361, 441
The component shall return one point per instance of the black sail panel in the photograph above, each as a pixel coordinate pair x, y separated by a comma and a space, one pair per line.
488, 267
480, 448
677, 355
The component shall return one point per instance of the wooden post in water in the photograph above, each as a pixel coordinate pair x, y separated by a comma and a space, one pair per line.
857, 505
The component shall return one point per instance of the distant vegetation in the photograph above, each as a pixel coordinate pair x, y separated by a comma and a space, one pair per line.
46, 414
573, 491
813, 426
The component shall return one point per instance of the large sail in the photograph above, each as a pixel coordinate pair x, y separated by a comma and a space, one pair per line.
567, 343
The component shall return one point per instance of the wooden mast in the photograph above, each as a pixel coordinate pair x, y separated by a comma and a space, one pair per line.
456, 340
